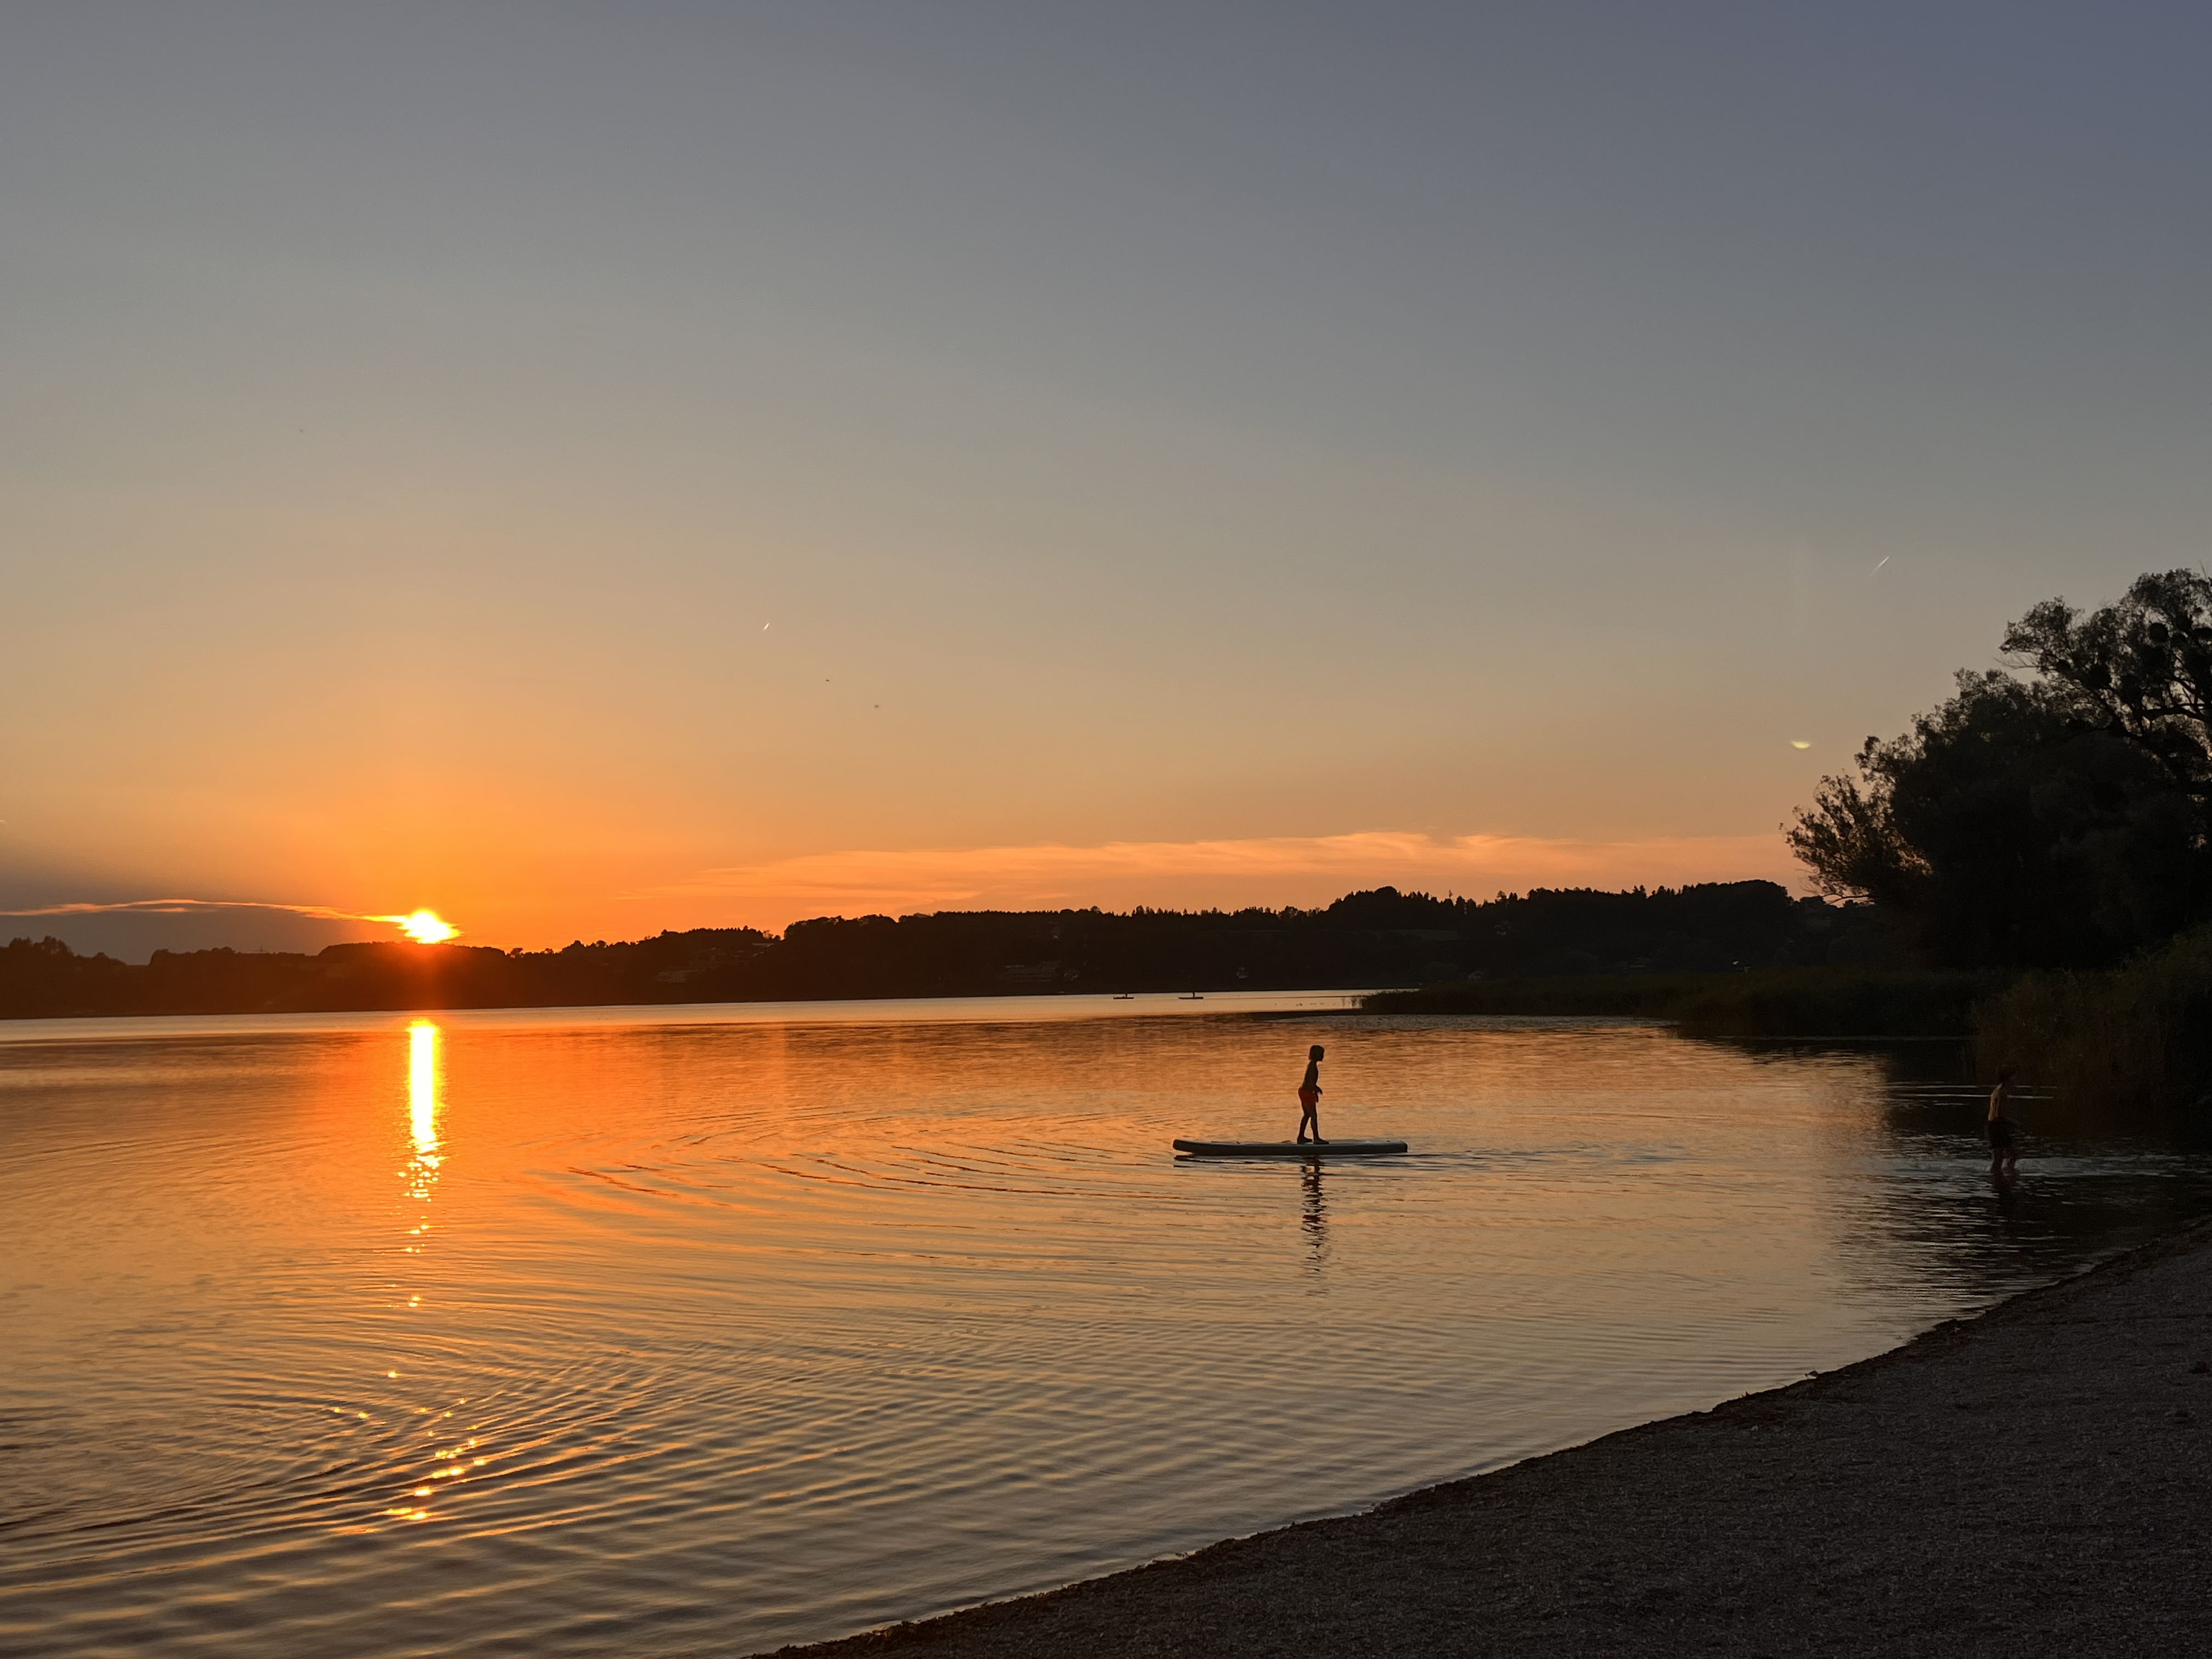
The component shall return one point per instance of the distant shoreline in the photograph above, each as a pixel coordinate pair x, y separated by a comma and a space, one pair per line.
1804, 1004
2027, 1480
1377, 938
1812, 1002
1049, 1007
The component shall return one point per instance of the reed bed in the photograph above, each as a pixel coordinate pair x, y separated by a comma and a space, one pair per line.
2139, 1035
1809, 1002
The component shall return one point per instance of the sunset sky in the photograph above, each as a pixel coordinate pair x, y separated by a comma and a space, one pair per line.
587, 470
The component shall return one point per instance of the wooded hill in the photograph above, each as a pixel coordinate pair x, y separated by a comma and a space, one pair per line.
1363, 940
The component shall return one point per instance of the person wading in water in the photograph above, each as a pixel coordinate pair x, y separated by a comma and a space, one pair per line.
1309, 1097
2004, 1147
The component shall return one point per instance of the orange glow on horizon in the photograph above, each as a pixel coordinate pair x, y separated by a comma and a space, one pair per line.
1272, 871
628, 893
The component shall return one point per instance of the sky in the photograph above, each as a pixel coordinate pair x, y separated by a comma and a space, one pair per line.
588, 469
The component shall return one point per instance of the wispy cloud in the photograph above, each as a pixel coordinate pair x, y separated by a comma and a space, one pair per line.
185, 907
1277, 870
133, 928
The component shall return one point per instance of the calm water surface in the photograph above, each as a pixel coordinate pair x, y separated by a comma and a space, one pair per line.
563, 1333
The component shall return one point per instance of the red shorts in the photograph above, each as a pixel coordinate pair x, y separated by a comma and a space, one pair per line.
1310, 1098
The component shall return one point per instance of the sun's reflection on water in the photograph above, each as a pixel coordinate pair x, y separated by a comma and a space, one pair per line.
423, 1107
420, 1176
423, 1085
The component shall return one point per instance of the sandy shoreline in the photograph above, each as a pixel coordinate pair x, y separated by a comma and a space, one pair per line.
2037, 1479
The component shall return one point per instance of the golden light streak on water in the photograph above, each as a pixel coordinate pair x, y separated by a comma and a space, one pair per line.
425, 1104
423, 1085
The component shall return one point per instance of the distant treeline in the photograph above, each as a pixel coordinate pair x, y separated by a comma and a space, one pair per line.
1373, 938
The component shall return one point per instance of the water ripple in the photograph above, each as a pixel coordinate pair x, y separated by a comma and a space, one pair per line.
645, 1339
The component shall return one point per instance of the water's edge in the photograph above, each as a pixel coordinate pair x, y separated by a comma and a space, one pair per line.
940, 1632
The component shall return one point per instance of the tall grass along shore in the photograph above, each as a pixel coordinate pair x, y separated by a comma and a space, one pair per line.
1778, 1003
2139, 1035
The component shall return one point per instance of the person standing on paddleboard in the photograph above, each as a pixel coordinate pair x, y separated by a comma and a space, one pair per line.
1309, 1097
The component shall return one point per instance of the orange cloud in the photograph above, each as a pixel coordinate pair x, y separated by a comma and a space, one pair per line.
1274, 870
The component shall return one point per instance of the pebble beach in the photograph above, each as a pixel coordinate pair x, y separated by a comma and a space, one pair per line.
2037, 1479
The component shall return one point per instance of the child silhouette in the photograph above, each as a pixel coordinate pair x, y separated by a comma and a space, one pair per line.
1309, 1097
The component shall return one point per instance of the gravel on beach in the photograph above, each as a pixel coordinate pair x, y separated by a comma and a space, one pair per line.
2037, 1480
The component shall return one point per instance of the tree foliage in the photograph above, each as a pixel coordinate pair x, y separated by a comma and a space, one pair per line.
2052, 822
2141, 669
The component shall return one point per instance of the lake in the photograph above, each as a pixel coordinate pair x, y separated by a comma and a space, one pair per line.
674, 1331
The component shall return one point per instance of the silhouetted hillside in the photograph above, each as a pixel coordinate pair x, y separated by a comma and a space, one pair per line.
1366, 939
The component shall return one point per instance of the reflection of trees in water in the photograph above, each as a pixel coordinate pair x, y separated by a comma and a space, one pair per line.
2091, 1179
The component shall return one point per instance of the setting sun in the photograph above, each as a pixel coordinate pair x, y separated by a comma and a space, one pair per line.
425, 926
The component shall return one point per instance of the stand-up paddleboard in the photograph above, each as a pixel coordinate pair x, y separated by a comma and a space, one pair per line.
1290, 1148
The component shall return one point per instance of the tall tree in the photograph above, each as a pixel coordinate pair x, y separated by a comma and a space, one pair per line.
2013, 826
2141, 669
